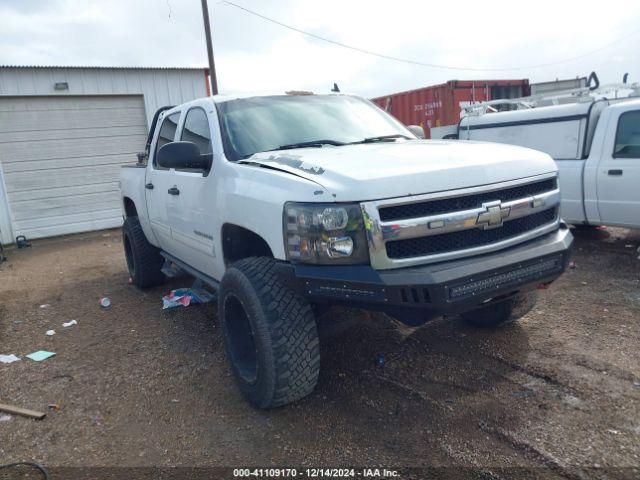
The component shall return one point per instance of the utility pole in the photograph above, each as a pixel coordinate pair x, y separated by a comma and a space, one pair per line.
207, 34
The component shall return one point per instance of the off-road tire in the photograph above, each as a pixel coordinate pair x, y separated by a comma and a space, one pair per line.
143, 259
257, 310
502, 313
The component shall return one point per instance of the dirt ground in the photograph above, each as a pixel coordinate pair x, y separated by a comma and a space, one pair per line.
139, 386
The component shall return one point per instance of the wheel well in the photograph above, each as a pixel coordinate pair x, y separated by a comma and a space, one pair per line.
238, 243
129, 208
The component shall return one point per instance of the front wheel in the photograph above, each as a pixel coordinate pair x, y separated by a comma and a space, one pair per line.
501, 313
270, 334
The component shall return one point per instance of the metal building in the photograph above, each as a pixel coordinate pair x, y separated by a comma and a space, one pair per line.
65, 132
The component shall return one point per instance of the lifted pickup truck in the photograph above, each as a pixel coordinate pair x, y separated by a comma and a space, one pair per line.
284, 203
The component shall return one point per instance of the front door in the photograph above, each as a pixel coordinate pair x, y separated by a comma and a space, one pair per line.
192, 221
618, 177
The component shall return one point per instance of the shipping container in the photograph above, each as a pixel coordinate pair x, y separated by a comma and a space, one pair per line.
440, 105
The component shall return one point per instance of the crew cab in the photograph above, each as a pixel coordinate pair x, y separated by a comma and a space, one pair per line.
286, 203
596, 144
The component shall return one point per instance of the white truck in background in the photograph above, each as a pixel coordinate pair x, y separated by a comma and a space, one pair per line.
286, 202
593, 136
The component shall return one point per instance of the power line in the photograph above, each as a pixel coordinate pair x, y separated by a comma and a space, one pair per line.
424, 64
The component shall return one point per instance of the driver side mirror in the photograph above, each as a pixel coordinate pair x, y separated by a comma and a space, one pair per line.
182, 155
416, 130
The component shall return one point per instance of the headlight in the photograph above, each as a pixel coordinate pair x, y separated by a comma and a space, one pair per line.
325, 233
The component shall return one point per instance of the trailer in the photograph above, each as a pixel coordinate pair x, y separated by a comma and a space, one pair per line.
440, 105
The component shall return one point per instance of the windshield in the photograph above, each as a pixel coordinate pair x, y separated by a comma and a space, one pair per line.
259, 124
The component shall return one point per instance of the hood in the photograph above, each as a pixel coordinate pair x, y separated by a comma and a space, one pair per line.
386, 170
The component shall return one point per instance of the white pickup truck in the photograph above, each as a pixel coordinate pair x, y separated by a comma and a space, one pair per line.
596, 144
284, 203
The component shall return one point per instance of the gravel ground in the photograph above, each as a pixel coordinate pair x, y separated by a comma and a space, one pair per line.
559, 391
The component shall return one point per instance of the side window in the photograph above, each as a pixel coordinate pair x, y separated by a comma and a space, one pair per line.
196, 130
167, 132
628, 136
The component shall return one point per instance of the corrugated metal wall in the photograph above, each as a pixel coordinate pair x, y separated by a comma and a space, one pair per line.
159, 87
60, 149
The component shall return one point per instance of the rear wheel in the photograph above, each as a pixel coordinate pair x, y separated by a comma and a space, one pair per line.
502, 313
143, 259
270, 334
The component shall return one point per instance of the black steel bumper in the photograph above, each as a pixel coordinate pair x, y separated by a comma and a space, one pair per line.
442, 288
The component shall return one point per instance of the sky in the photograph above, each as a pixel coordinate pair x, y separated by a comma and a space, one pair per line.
255, 55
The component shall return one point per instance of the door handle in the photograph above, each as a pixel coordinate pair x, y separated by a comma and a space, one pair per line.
173, 191
615, 172
149, 186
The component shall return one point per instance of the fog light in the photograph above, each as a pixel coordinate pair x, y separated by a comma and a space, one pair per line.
338, 247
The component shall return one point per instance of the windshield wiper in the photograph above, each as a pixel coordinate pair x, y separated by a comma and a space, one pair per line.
311, 144
383, 138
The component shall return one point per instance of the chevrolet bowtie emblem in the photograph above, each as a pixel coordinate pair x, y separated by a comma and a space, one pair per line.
493, 215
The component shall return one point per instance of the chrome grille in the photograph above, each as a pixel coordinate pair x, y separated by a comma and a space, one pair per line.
455, 224
435, 207
418, 247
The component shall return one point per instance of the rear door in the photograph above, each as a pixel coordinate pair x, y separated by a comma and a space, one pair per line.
158, 182
618, 174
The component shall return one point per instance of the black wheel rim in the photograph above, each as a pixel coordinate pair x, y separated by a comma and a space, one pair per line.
240, 339
128, 254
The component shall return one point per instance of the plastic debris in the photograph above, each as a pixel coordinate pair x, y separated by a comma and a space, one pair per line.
54, 406
68, 324
40, 355
8, 358
105, 302
636, 383
4, 417
381, 360
44, 306
185, 297
51, 333
572, 265
130, 281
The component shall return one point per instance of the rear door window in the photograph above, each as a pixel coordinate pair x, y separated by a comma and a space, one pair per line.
167, 133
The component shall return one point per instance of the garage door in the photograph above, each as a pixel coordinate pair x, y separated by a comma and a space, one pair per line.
61, 158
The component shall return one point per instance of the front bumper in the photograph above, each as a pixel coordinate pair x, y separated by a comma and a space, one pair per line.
444, 288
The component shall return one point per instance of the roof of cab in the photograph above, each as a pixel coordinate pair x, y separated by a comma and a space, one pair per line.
234, 96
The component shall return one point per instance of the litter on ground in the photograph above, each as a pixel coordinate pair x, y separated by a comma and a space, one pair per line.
4, 417
8, 358
185, 297
68, 324
51, 333
45, 305
105, 302
25, 412
40, 355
